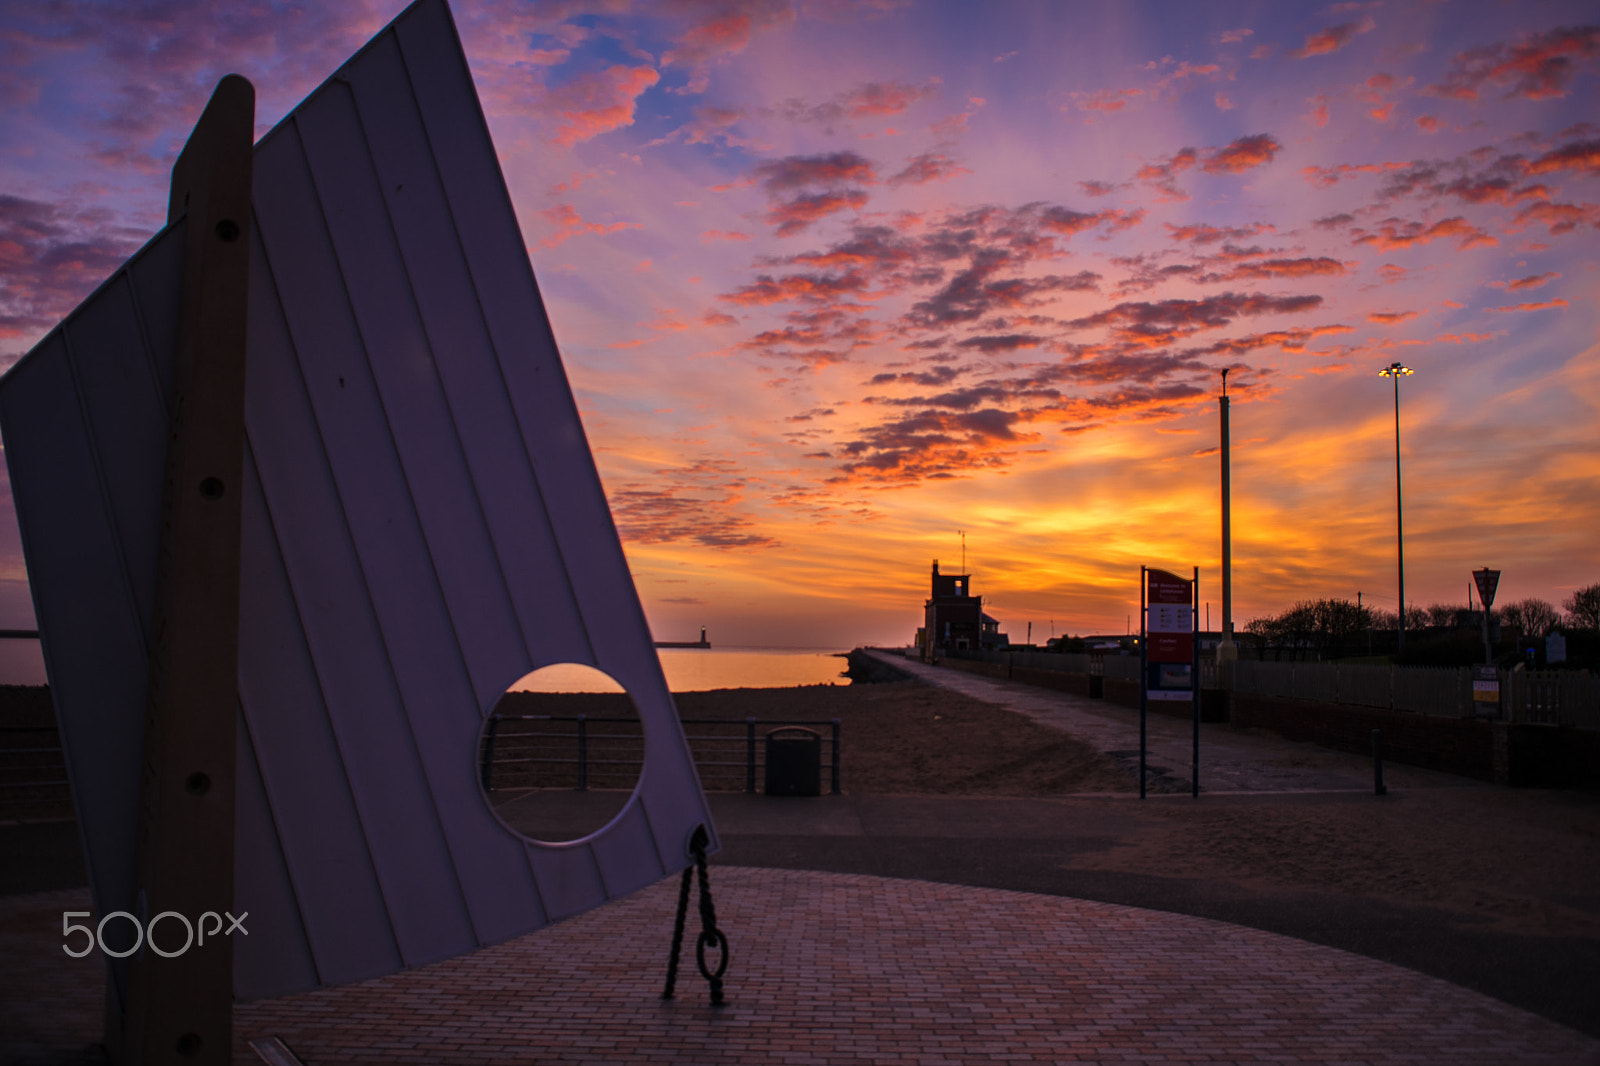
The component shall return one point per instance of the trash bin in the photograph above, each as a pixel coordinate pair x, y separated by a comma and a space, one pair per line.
794, 762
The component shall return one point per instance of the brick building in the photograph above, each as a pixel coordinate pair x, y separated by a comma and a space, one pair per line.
953, 618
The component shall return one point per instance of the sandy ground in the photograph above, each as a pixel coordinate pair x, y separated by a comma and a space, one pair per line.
1525, 861
906, 737
1516, 860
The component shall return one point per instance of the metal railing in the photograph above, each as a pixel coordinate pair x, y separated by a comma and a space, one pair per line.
33, 773
1122, 667
583, 751
1547, 697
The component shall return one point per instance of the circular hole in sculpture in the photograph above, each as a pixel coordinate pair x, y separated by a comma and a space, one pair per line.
560, 753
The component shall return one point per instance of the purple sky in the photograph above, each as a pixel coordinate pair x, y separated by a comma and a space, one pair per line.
836, 280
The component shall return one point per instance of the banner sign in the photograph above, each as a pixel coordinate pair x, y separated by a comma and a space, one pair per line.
1169, 619
1169, 635
1486, 683
1487, 581
1169, 664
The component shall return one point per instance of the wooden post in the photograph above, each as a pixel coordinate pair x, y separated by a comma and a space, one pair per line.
180, 1004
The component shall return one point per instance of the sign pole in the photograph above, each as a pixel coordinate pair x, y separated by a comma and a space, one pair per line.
1487, 581
1144, 679
180, 1007
1194, 683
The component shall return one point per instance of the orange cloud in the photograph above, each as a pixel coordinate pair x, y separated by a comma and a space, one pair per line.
1280, 268
1318, 115
1559, 218
1394, 233
1169, 85
1581, 156
570, 225
1324, 177
1548, 305
596, 103
769, 290
1378, 91
1163, 176
1200, 233
711, 235
1391, 318
1333, 38
1107, 100
1531, 282
792, 216
1537, 67
1430, 123
1243, 154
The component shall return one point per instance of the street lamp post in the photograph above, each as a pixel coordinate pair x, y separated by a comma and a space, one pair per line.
1397, 371
1227, 651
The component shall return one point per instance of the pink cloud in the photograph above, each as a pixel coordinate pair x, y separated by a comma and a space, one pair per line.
1324, 177
1535, 67
1548, 305
1333, 38
928, 167
1200, 233
726, 30
570, 225
599, 102
1559, 218
1532, 282
802, 190
1394, 233
1243, 154
51, 257
1318, 115
1580, 156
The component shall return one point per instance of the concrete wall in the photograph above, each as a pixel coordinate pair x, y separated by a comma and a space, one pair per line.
1541, 756
1453, 745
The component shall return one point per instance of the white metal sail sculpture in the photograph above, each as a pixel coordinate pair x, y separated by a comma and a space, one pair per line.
422, 525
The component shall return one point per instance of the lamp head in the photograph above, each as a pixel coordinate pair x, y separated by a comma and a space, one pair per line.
1394, 370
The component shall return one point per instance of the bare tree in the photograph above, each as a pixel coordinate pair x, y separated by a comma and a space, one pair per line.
1583, 607
1443, 614
1535, 617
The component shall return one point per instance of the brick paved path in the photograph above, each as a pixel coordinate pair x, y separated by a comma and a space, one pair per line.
839, 968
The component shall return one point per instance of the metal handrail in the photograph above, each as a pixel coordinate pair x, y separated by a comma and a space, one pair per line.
497, 741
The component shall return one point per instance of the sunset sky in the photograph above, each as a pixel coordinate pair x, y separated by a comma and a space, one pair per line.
833, 281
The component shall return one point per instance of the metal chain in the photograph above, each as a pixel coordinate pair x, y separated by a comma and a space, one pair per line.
710, 936
677, 933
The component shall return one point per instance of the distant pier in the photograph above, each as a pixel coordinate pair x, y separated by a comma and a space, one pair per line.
701, 643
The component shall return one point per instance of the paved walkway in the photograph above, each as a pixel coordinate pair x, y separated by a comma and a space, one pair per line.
888, 929
840, 968
1230, 760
